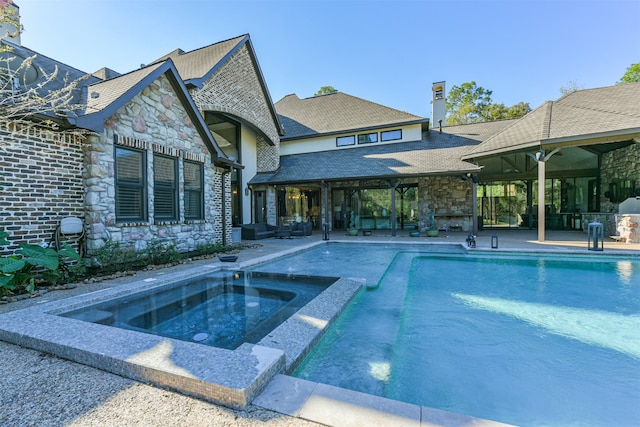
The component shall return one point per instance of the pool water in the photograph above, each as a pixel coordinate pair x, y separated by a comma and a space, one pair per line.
527, 340
223, 309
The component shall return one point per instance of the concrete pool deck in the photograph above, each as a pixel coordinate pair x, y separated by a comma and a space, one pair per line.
43, 390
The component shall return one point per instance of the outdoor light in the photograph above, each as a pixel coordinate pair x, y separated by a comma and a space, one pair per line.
539, 155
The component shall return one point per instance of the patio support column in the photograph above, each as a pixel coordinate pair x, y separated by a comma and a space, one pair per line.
541, 158
325, 202
393, 185
541, 205
474, 207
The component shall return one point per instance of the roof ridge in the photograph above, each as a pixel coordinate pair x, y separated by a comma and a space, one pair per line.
546, 123
604, 110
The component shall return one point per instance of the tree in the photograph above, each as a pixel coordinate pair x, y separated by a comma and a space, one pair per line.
632, 74
570, 87
325, 90
470, 103
25, 99
500, 112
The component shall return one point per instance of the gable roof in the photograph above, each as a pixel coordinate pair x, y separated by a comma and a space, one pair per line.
337, 113
437, 153
589, 116
196, 66
104, 98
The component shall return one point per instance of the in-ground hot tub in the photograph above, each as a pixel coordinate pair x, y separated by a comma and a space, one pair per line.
79, 329
223, 309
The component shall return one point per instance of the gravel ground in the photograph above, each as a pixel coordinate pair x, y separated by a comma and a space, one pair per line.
41, 390
37, 389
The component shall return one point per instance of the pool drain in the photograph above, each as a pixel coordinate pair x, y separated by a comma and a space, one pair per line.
200, 336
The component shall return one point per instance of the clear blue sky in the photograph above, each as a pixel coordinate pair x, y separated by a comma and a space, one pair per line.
388, 52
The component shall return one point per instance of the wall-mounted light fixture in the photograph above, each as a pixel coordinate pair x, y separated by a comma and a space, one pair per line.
539, 155
246, 190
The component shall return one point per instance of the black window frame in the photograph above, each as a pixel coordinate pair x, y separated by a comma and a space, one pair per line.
159, 186
140, 187
200, 192
345, 138
367, 135
382, 135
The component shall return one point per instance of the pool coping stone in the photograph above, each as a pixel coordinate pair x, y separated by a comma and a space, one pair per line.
234, 380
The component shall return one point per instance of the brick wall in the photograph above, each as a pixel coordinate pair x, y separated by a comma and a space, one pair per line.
40, 183
236, 89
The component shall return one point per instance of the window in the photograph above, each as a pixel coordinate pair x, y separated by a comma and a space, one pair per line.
130, 185
391, 135
165, 188
193, 195
341, 141
368, 138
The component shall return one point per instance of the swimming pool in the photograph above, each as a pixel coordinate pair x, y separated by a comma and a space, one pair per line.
523, 339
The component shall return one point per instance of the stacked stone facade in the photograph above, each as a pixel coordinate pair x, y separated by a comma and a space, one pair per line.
155, 121
40, 183
619, 165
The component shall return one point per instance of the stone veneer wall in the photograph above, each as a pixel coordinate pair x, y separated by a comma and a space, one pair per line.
445, 195
40, 183
236, 89
617, 165
154, 119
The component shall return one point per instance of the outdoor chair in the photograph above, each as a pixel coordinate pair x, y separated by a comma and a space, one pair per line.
70, 231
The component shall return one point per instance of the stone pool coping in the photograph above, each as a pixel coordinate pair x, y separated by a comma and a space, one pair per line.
231, 378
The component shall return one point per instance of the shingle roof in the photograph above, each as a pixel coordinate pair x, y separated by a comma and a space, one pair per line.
436, 153
46, 65
102, 94
336, 112
196, 66
199, 63
578, 116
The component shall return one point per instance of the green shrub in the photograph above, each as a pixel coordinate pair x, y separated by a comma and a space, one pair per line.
33, 264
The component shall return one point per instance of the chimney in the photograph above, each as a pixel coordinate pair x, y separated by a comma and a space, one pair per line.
438, 104
8, 30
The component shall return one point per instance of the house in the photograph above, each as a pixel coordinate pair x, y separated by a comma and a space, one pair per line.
184, 149
165, 156
341, 155
338, 161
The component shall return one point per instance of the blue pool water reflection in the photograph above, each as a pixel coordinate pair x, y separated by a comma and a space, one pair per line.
527, 340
